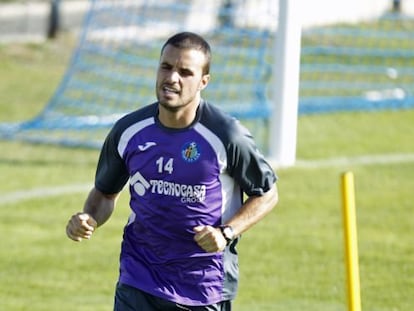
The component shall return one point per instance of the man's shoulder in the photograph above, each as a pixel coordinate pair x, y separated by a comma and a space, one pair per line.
220, 122
136, 116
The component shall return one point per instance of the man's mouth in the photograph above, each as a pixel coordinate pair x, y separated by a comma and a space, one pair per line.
170, 90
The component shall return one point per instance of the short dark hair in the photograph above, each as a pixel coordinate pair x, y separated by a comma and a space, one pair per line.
190, 40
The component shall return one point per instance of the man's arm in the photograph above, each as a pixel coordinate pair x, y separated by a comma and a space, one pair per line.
96, 211
252, 211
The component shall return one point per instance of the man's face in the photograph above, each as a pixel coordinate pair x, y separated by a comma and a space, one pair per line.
180, 78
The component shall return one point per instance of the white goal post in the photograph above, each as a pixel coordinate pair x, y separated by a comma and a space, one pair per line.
283, 122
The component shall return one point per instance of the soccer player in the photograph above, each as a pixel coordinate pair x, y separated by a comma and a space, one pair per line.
188, 165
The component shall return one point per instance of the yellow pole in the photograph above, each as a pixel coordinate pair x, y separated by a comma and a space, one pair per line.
351, 242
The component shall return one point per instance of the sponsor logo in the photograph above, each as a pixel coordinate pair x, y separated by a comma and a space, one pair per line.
147, 145
190, 152
186, 193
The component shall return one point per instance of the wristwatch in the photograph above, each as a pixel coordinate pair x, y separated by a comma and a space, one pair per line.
227, 232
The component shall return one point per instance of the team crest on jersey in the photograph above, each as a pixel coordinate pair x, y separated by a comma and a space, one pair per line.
190, 152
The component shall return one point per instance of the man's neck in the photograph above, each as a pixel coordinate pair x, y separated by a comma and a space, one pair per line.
180, 118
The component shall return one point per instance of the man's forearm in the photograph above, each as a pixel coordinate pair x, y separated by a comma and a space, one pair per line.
253, 210
100, 206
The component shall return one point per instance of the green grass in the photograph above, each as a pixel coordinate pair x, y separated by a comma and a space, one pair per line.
293, 260
29, 74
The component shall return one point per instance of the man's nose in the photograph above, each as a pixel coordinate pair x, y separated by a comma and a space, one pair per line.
174, 76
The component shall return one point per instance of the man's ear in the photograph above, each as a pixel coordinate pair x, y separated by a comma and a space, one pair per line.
204, 82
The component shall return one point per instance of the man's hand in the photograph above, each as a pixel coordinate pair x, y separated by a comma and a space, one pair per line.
209, 238
81, 226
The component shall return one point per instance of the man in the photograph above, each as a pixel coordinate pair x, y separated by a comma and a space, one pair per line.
188, 165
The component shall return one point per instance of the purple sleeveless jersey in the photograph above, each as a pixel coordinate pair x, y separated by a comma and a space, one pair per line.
179, 179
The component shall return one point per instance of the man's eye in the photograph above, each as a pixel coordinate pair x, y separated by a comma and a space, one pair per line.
186, 73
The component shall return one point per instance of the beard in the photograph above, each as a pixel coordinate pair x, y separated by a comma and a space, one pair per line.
169, 107
174, 103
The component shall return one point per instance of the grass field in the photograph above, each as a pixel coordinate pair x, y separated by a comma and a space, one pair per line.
293, 260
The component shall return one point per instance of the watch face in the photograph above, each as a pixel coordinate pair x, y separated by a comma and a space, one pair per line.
228, 233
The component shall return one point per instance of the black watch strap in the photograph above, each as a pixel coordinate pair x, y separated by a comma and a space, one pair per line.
228, 233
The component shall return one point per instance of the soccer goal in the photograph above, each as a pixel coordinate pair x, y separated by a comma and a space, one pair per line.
257, 48
113, 68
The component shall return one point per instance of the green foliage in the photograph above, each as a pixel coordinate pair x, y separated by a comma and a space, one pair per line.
293, 260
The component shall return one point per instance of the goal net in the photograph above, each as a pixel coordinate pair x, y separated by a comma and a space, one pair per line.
113, 68
365, 65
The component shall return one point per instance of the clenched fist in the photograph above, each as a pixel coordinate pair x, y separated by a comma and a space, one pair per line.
209, 238
81, 226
